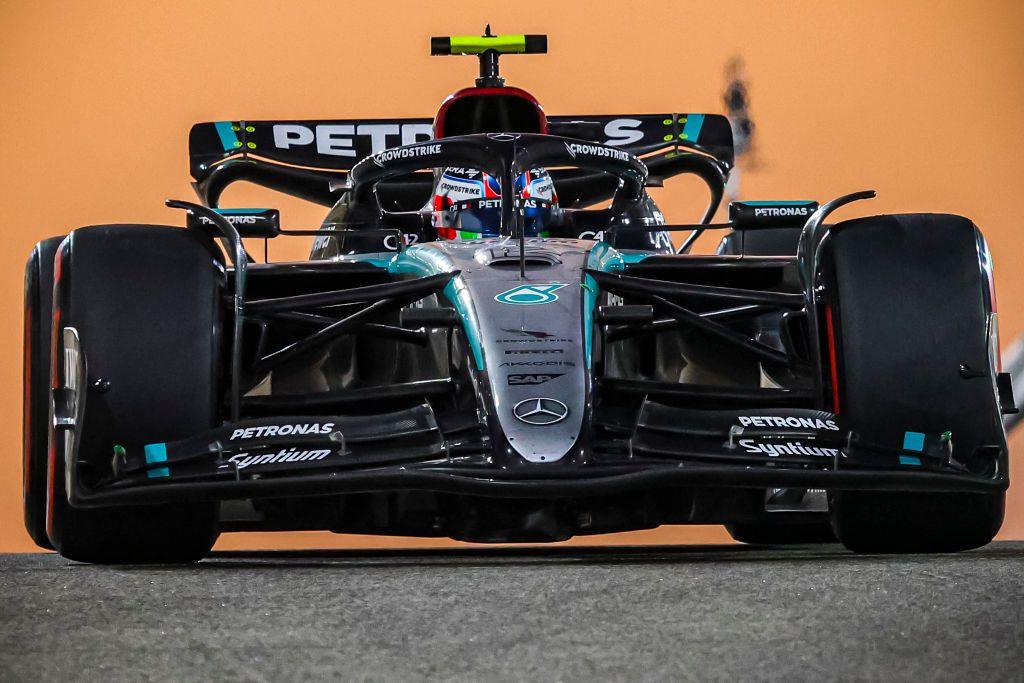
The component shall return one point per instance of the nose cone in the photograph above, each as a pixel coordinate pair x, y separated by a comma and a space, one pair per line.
534, 355
532, 337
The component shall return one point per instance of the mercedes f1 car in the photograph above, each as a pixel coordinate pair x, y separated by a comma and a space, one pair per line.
496, 339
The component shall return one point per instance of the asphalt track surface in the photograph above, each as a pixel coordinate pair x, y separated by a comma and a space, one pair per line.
639, 613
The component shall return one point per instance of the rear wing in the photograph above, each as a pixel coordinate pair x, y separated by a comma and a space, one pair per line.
321, 152
336, 145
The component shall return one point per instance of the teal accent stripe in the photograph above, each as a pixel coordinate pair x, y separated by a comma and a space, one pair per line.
460, 299
694, 122
238, 212
157, 452
798, 202
605, 258
589, 303
418, 261
913, 441
377, 262
228, 138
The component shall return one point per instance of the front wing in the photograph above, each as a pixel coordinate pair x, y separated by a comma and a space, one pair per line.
410, 449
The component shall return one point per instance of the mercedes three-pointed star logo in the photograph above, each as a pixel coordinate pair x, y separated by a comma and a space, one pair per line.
540, 411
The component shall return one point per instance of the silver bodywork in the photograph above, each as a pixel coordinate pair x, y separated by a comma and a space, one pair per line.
528, 344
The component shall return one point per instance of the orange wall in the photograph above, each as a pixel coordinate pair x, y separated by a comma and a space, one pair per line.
919, 100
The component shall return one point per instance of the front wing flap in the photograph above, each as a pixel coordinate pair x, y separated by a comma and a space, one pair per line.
281, 445
780, 437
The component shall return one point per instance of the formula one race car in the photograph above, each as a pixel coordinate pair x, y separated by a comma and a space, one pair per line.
496, 340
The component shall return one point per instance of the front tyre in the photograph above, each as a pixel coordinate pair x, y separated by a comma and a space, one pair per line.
147, 304
904, 522
914, 333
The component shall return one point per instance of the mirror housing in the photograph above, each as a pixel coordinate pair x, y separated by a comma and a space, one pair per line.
263, 223
753, 215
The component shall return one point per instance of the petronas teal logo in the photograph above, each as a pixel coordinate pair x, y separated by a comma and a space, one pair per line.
530, 295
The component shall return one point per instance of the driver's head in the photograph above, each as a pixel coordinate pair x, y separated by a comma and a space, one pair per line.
467, 203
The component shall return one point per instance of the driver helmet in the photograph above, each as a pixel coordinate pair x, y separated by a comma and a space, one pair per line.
467, 203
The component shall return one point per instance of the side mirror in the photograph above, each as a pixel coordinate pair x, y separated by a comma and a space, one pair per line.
248, 222
752, 215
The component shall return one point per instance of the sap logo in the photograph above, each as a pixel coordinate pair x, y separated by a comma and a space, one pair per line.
408, 238
783, 422
774, 450
532, 378
782, 211
530, 295
337, 139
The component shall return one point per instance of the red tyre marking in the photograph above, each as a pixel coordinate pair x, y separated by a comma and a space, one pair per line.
27, 416
51, 450
51, 460
833, 363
